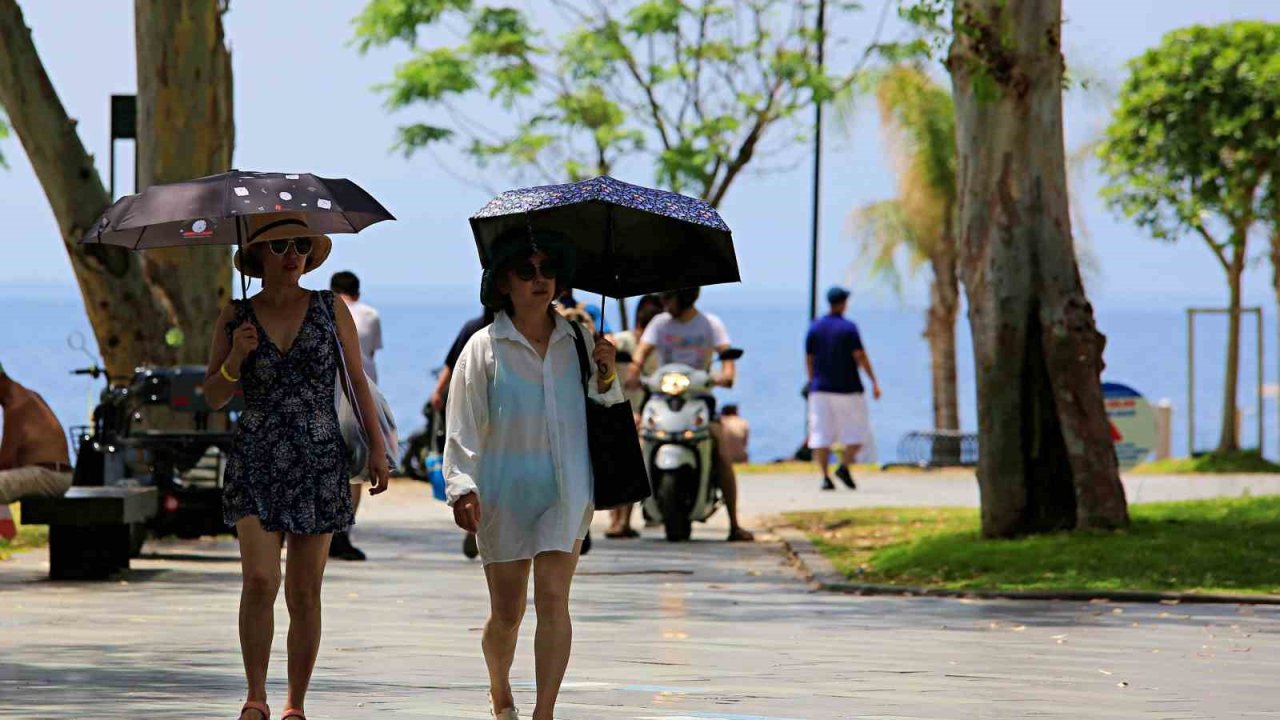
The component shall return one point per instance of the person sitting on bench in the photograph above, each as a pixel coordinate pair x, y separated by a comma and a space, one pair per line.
33, 450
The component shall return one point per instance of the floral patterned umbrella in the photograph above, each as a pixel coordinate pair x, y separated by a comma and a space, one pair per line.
213, 210
628, 240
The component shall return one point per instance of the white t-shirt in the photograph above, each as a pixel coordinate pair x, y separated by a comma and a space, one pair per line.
369, 328
693, 343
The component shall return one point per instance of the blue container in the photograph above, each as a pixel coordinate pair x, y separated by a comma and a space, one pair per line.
436, 474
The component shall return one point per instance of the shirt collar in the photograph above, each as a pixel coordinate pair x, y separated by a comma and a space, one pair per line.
505, 329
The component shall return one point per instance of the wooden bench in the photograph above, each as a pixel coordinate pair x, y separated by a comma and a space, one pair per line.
92, 530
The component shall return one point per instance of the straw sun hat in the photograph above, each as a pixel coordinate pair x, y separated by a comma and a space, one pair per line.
280, 227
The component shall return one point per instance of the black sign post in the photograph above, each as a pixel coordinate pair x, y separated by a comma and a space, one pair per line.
124, 126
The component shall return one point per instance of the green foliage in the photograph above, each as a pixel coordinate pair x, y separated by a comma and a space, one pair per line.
918, 116
1220, 545
1236, 462
29, 537
699, 90
1196, 134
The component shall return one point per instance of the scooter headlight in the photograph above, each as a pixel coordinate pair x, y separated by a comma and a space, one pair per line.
673, 383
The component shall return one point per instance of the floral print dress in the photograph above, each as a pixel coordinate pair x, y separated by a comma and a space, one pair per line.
288, 464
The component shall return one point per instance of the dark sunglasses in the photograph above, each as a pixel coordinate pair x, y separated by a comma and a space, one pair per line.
527, 270
302, 246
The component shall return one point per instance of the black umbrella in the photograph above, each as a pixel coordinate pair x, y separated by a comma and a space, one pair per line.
628, 240
213, 210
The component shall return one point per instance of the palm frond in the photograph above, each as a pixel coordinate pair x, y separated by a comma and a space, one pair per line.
888, 248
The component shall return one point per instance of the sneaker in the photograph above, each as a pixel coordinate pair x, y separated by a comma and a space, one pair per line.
827, 484
342, 549
469, 547
842, 472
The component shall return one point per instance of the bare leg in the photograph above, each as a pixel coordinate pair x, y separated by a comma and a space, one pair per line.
552, 576
823, 457
508, 596
620, 520
260, 573
304, 573
728, 484
849, 454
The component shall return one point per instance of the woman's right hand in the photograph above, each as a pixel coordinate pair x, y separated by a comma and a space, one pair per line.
466, 512
243, 341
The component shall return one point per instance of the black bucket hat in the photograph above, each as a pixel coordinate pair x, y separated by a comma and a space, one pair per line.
515, 245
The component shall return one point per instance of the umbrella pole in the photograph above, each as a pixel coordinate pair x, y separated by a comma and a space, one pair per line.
244, 281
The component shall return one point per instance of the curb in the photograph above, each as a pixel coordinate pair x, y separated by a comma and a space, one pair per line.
821, 575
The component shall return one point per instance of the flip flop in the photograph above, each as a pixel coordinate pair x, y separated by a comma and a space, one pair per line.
293, 713
259, 707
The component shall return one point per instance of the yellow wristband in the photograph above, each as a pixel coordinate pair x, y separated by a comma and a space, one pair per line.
223, 370
612, 376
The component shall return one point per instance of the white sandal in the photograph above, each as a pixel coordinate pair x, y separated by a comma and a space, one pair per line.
508, 714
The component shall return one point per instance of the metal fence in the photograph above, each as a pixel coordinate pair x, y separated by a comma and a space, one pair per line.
937, 448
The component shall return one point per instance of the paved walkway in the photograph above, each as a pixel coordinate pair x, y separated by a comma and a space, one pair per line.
701, 630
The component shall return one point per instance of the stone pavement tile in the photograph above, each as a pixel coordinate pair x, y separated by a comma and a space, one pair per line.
703, 630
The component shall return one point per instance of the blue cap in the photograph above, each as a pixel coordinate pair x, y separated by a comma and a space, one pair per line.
837, 294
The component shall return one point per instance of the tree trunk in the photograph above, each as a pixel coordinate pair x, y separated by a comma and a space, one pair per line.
1046, 460
1229, 439
128, 318
185, 130
944, 305
940, 331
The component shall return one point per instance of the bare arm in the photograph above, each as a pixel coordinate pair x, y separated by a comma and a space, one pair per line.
864, 362
637, 363
808, 368
728, 370
8, 448
218, 390
442, 388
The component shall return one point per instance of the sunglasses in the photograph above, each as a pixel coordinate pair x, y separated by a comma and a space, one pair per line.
526, 271
302, 246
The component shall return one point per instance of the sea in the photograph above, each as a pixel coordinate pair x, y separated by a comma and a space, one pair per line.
1147, 349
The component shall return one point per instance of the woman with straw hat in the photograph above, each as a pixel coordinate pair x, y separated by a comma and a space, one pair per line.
516, 461
286, 478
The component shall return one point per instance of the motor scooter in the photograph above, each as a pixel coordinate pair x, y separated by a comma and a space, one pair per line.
675, 435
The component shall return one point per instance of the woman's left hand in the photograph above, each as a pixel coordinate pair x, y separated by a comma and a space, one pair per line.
379, 473
605, 355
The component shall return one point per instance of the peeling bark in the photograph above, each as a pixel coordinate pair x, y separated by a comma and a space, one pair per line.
185, 130
129, 320
1047, 461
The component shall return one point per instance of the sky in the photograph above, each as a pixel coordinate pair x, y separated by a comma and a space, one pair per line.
304, 101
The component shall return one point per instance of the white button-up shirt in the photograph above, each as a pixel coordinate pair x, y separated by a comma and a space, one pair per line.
517, 437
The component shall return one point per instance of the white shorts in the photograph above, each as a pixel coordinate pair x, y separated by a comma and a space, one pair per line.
838, 419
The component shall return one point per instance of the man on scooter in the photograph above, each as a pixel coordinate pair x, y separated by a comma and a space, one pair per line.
682, 334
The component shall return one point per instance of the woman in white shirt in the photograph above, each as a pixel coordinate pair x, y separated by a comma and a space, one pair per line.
516, 460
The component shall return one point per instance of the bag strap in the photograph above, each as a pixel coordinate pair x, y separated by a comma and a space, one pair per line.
584, 365
347, 388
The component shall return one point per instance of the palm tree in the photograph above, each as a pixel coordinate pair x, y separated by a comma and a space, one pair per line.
919, 120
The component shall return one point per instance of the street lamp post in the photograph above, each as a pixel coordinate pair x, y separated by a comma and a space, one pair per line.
817, 169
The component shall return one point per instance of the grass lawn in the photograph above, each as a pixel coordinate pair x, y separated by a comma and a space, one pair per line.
29, 537
1242, 461
1224, 545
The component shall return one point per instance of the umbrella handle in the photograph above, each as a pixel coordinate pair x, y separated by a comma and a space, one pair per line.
600, 330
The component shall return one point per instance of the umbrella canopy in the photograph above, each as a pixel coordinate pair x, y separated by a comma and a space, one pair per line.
628, 240
212, 210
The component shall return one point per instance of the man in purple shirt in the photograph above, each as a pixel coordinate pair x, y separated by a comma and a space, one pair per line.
837, 405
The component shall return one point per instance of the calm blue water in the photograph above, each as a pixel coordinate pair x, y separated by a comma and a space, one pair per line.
1145, 349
